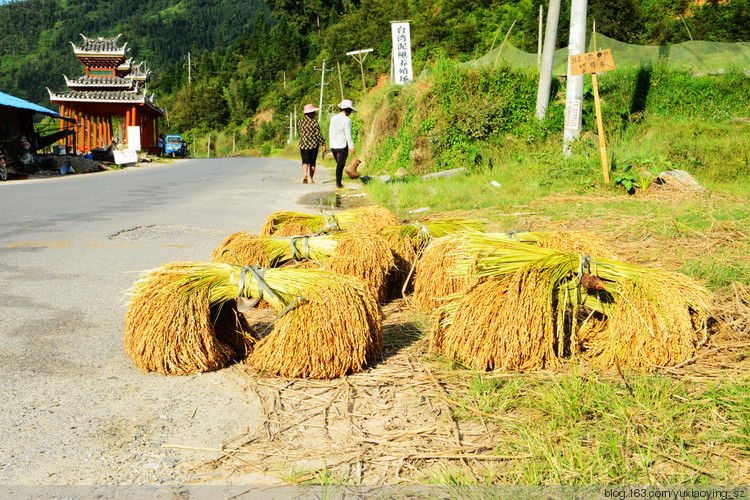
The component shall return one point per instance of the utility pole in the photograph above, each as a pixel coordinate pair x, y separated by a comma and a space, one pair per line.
574, 91
322, 85
539, 42
548, 59
341, 85
360, 56
189, 79
295, 121
291, 130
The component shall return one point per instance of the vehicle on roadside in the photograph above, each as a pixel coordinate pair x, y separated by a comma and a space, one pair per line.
175, 146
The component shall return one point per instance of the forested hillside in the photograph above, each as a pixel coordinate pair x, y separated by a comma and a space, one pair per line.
35, 35
275, 69
250, 56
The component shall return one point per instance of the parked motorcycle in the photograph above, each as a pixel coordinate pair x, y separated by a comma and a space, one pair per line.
3, 167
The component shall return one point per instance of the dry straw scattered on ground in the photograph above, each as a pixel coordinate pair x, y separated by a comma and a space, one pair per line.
395, 423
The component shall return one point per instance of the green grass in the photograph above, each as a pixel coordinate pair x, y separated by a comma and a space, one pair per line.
587, 428
540, 189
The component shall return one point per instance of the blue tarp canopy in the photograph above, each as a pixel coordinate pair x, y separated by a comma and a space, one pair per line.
7, 100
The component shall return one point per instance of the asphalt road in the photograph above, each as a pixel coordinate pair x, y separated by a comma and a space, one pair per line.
75, 409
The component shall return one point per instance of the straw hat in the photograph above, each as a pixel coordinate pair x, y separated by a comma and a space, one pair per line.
309, 108
347, 104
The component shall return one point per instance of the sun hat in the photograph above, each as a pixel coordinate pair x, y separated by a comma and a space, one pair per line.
309, 108
347, 104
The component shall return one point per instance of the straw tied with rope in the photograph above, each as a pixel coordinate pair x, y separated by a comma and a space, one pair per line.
511, 301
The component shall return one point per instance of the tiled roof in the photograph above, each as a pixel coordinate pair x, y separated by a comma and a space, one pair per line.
99, 81
138, 72
98, 96
128, 69
104, 97
99, 45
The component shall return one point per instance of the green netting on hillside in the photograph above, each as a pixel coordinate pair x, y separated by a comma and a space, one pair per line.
698, 56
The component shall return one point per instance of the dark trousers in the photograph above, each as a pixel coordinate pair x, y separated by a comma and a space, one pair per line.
340, 156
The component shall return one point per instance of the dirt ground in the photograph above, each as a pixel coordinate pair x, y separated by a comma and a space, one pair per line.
50, 166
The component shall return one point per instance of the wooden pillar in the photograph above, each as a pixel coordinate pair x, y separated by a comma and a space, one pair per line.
81, 132
86, 133
101, 131
62, 122
144, 133
150, 132
156, 130
66, 141
91, 126
127, 124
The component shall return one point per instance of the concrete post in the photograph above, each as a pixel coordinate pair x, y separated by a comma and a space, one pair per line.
548, 59
574, 92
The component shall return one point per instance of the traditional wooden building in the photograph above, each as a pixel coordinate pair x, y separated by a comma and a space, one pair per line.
113, 87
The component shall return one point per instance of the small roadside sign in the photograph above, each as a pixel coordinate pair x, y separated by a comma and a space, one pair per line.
592, 62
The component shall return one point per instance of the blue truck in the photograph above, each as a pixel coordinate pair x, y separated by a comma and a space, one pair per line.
175, 146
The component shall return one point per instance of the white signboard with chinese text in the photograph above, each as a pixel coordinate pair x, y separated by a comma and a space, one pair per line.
573, 116
400, 33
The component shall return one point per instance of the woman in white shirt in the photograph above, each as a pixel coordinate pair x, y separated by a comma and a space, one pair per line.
340, 136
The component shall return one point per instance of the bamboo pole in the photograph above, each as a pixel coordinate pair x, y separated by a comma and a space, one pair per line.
600, 128
504, 40
599, 124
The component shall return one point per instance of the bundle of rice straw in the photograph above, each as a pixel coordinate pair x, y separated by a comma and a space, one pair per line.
653, 318
370, 219
248, 249
407, 242
288, 223
243, 248
580, 242
329, 324
364, 256
434, 278
175, 332
502, 324
336, 331
658, 319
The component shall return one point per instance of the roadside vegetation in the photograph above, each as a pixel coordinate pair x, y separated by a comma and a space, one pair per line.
686, 425
575, 425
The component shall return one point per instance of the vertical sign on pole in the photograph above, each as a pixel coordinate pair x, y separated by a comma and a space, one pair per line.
401, 52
